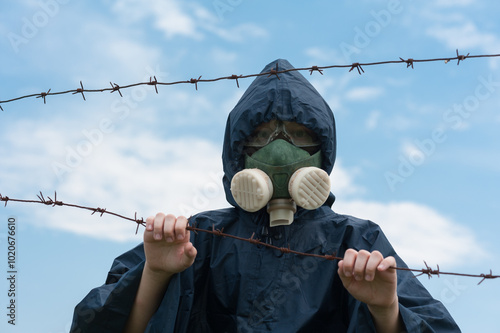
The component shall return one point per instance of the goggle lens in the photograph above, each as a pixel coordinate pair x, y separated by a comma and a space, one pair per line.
297, 134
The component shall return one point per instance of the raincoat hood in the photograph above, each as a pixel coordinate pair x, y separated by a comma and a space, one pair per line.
285, 96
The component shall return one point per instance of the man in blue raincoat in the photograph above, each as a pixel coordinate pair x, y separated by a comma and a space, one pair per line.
279, 148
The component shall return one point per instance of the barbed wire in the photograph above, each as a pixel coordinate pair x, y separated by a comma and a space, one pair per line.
220, 233
273, 72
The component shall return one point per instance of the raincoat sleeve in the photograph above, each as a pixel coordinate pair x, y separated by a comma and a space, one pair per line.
419, 311
106, 308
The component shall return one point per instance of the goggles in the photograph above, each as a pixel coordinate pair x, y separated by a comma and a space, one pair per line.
297, 134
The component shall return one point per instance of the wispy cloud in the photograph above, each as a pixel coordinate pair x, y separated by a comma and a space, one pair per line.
453, 3
364, 93
176, 18
321, 56
372, 120
342, 181
465, 35
168, 16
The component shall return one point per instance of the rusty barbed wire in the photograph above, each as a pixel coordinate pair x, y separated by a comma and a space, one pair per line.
54, 202
252, 240
273, 72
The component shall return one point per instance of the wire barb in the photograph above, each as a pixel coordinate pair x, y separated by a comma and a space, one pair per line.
285, 249
195, 82
153, 83
461, 57
357, 65
6, 199
42, 95
54, 202
487, 276
429, 271
99, 210
332, 256
315, 68
409, 62
42, 199
253, 240
115, 88
274, 71
217, 232
80, 90
139, 222
235, 77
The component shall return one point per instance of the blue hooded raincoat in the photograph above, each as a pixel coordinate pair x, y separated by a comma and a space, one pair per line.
235, 286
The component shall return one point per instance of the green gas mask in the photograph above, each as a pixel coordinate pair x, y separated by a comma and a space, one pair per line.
279, 160
281, 176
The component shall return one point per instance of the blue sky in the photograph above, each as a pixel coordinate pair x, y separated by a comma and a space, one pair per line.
417, 148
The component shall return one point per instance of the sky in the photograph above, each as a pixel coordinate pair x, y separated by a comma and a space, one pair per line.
417, 147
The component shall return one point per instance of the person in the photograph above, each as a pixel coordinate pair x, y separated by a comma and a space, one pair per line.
279, 144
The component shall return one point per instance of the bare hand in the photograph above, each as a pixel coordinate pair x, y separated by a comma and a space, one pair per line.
369, 279
166, 244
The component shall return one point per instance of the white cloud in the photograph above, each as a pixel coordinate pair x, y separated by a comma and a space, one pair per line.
177, 18
464, 36
342, 181
372, 120
145, 174
323, 57
238, 33
332, 89
412, 151
169, 16
172, 20
223, 57
400, 123
364, 93
125, 170
457, 31
418, 232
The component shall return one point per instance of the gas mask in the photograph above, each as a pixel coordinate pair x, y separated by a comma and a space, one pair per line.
281, 173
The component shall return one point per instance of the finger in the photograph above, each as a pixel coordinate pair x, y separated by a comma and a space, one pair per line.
158, 222
340, 271
180, 227
372, 265
190, 251
360, 265
169, 228
149, 223
189, 254
349, 261
148, 233
387, 263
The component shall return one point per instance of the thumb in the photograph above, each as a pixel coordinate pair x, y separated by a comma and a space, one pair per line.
189, 254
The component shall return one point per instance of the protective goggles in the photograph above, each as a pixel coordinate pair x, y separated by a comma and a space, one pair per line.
297, 134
